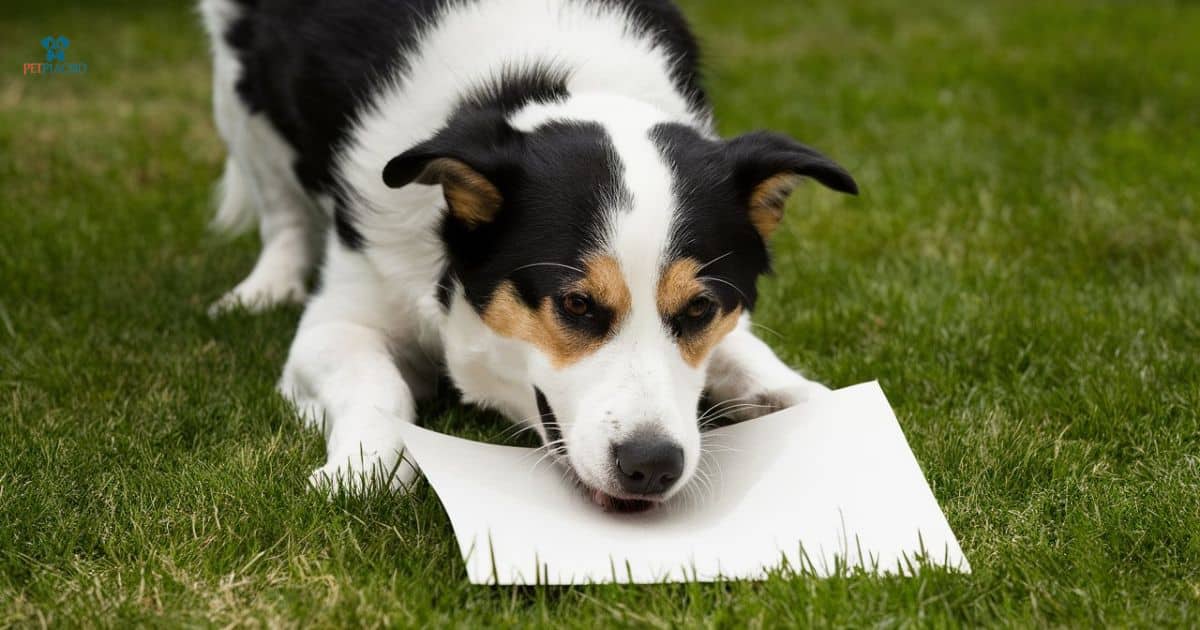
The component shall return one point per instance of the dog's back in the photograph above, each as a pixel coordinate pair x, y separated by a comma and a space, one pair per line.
302, 88
307, 66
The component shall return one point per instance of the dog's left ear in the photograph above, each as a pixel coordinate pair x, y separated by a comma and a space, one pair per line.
768, 166
470, 197
465, 159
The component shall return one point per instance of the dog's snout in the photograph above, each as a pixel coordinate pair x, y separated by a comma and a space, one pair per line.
648, 465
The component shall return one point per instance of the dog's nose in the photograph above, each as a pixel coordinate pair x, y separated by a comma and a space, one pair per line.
648, 465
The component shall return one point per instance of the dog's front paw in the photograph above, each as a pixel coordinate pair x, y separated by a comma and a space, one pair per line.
762, 401
363, 473
256, 294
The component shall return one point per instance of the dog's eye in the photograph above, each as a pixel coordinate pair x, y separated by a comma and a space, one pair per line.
699, 308
577, 304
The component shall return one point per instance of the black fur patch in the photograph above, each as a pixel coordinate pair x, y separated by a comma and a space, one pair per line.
714, 182
549, 422
517, 86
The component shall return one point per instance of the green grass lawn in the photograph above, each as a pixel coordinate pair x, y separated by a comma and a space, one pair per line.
1021, 272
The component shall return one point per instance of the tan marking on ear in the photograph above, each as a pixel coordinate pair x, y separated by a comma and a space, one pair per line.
678, 286
509, 316
470, 196
767, 202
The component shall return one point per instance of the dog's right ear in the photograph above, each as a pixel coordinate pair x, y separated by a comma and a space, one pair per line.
468, 159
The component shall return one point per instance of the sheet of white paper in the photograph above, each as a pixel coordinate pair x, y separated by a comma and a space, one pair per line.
832, 481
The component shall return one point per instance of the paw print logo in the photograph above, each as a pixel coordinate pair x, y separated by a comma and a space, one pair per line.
56, 48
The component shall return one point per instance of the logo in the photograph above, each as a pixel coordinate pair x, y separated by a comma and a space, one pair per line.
56, 59
56, 49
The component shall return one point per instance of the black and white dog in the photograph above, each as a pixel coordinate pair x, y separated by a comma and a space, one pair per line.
527, 195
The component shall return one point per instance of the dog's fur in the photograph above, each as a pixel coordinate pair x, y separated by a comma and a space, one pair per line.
526, 195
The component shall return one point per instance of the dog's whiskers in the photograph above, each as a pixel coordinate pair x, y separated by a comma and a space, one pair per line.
724, 402
738, 406
552, 449
770, 330
727, 283
722, 409
514, 431
549, 264
701, 268
718, 404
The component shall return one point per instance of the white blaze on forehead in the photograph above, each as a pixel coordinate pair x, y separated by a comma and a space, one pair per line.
638, 235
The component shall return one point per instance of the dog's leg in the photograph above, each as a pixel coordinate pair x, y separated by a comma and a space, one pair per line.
746, 379
286, 217
342, 377
259, 181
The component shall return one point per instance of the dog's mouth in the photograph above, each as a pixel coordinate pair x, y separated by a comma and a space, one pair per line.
617, 504
553, 436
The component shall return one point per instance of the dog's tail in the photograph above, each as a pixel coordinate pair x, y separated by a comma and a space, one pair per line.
235, 210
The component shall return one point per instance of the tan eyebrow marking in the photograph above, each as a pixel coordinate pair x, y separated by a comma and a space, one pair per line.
679, 285
605, 284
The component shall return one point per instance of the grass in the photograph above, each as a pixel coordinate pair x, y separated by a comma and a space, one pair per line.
1022, 273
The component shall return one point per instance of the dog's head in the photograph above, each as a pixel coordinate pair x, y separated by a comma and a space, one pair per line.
616, 248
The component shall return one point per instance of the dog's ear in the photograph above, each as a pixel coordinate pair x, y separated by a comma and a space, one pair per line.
768, 166
467, 159
470, 197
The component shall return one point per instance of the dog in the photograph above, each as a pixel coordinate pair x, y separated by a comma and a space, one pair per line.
526, 196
